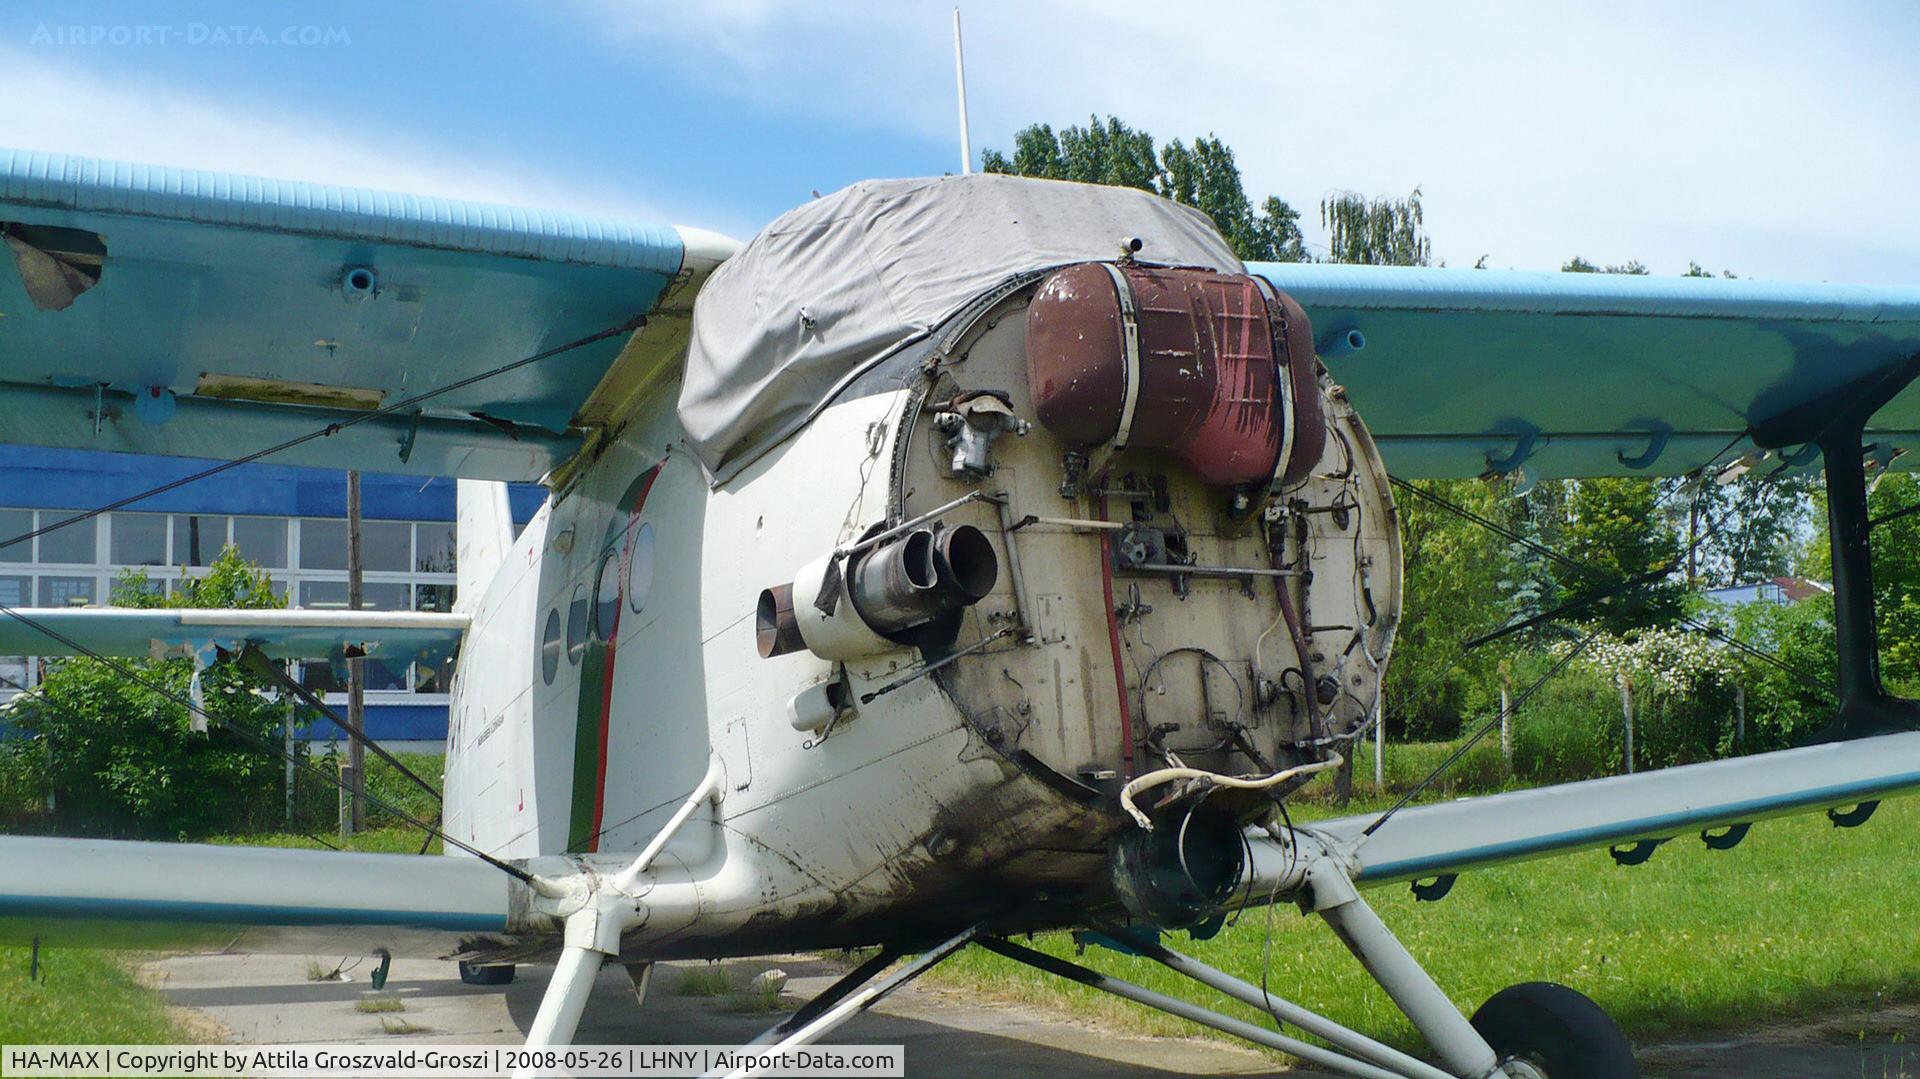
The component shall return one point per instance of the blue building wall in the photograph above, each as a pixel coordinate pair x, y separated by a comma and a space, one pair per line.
41, 478
57, 479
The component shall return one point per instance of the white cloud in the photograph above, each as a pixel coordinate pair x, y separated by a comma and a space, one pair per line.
61, 109
1774, 140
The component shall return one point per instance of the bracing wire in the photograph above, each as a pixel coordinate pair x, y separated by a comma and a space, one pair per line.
331, 429
1696, 624
1617, 587
61, 707
260, 664
1461, 751
242, 733
402, 406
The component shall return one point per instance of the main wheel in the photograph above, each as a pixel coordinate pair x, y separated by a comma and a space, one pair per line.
1562, 1033
473, 974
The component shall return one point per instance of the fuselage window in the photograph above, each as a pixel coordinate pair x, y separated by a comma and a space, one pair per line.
550, 647
606, 595
640, 568
577, 624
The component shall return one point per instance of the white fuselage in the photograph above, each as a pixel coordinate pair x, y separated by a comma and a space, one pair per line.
613, 658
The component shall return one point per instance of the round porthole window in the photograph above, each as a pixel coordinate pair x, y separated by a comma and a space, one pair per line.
606, 596
640, 568
550, 647
577, 624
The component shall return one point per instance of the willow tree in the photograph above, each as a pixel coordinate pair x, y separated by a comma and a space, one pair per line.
1377, 231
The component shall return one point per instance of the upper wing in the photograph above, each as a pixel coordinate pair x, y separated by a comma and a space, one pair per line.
394, 637
198, 314
1463, 371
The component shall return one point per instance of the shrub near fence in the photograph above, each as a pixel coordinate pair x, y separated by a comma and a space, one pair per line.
1686, 695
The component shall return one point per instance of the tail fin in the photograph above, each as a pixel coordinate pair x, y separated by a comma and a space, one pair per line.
484, 534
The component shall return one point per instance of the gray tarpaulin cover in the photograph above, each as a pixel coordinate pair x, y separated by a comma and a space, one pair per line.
841, 282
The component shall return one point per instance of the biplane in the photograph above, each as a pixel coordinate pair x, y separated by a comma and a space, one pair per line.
958, 558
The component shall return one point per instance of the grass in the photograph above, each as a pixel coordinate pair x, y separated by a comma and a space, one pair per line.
375, 1005
712, 980
87, 996
1800, 919
92, 996
397, 839
1481, 771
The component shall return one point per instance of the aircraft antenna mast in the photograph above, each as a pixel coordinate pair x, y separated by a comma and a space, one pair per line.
960, 77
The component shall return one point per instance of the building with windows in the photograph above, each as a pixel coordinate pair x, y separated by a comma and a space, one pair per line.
289, 520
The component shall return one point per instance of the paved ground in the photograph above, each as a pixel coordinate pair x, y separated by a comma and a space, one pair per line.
270, 999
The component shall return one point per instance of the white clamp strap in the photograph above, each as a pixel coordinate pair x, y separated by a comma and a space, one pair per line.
1283, 374
1130, 392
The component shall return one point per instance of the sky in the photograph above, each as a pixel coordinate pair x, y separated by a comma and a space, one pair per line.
1777, 140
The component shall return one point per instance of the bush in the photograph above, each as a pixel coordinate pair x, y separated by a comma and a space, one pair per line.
1570, 729
1684, 688
317, 794
1782, 710
1482, 769
23, 787
116, 757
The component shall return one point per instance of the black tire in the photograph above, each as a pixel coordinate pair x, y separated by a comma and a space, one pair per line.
473, 974
1557, 1030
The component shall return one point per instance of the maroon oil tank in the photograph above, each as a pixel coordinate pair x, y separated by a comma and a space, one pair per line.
1212, 353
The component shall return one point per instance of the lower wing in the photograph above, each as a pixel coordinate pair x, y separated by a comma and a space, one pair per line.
395, 637
1631, 813
198, 897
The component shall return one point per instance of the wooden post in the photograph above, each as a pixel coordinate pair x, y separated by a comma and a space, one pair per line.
1626, 710
353, 811
286, 742
1740, 718
1506, 719
1380, 743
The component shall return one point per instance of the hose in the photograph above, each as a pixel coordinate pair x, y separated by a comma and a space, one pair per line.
1164, 776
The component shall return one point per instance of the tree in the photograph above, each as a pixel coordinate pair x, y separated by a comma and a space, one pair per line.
1532, 581
1576, 264
1694, 270
1456, 582
1614, 527
1377, 232
1896, 575
1203, 175
120, 758
1104, 152
1749, 530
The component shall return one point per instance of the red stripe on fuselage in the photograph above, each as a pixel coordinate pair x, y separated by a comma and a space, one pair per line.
613, 640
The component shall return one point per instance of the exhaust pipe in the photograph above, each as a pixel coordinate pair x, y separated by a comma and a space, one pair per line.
905, 582
776, 630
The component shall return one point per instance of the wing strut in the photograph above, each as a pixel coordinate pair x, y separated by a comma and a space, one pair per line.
1837, 424
850, 996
